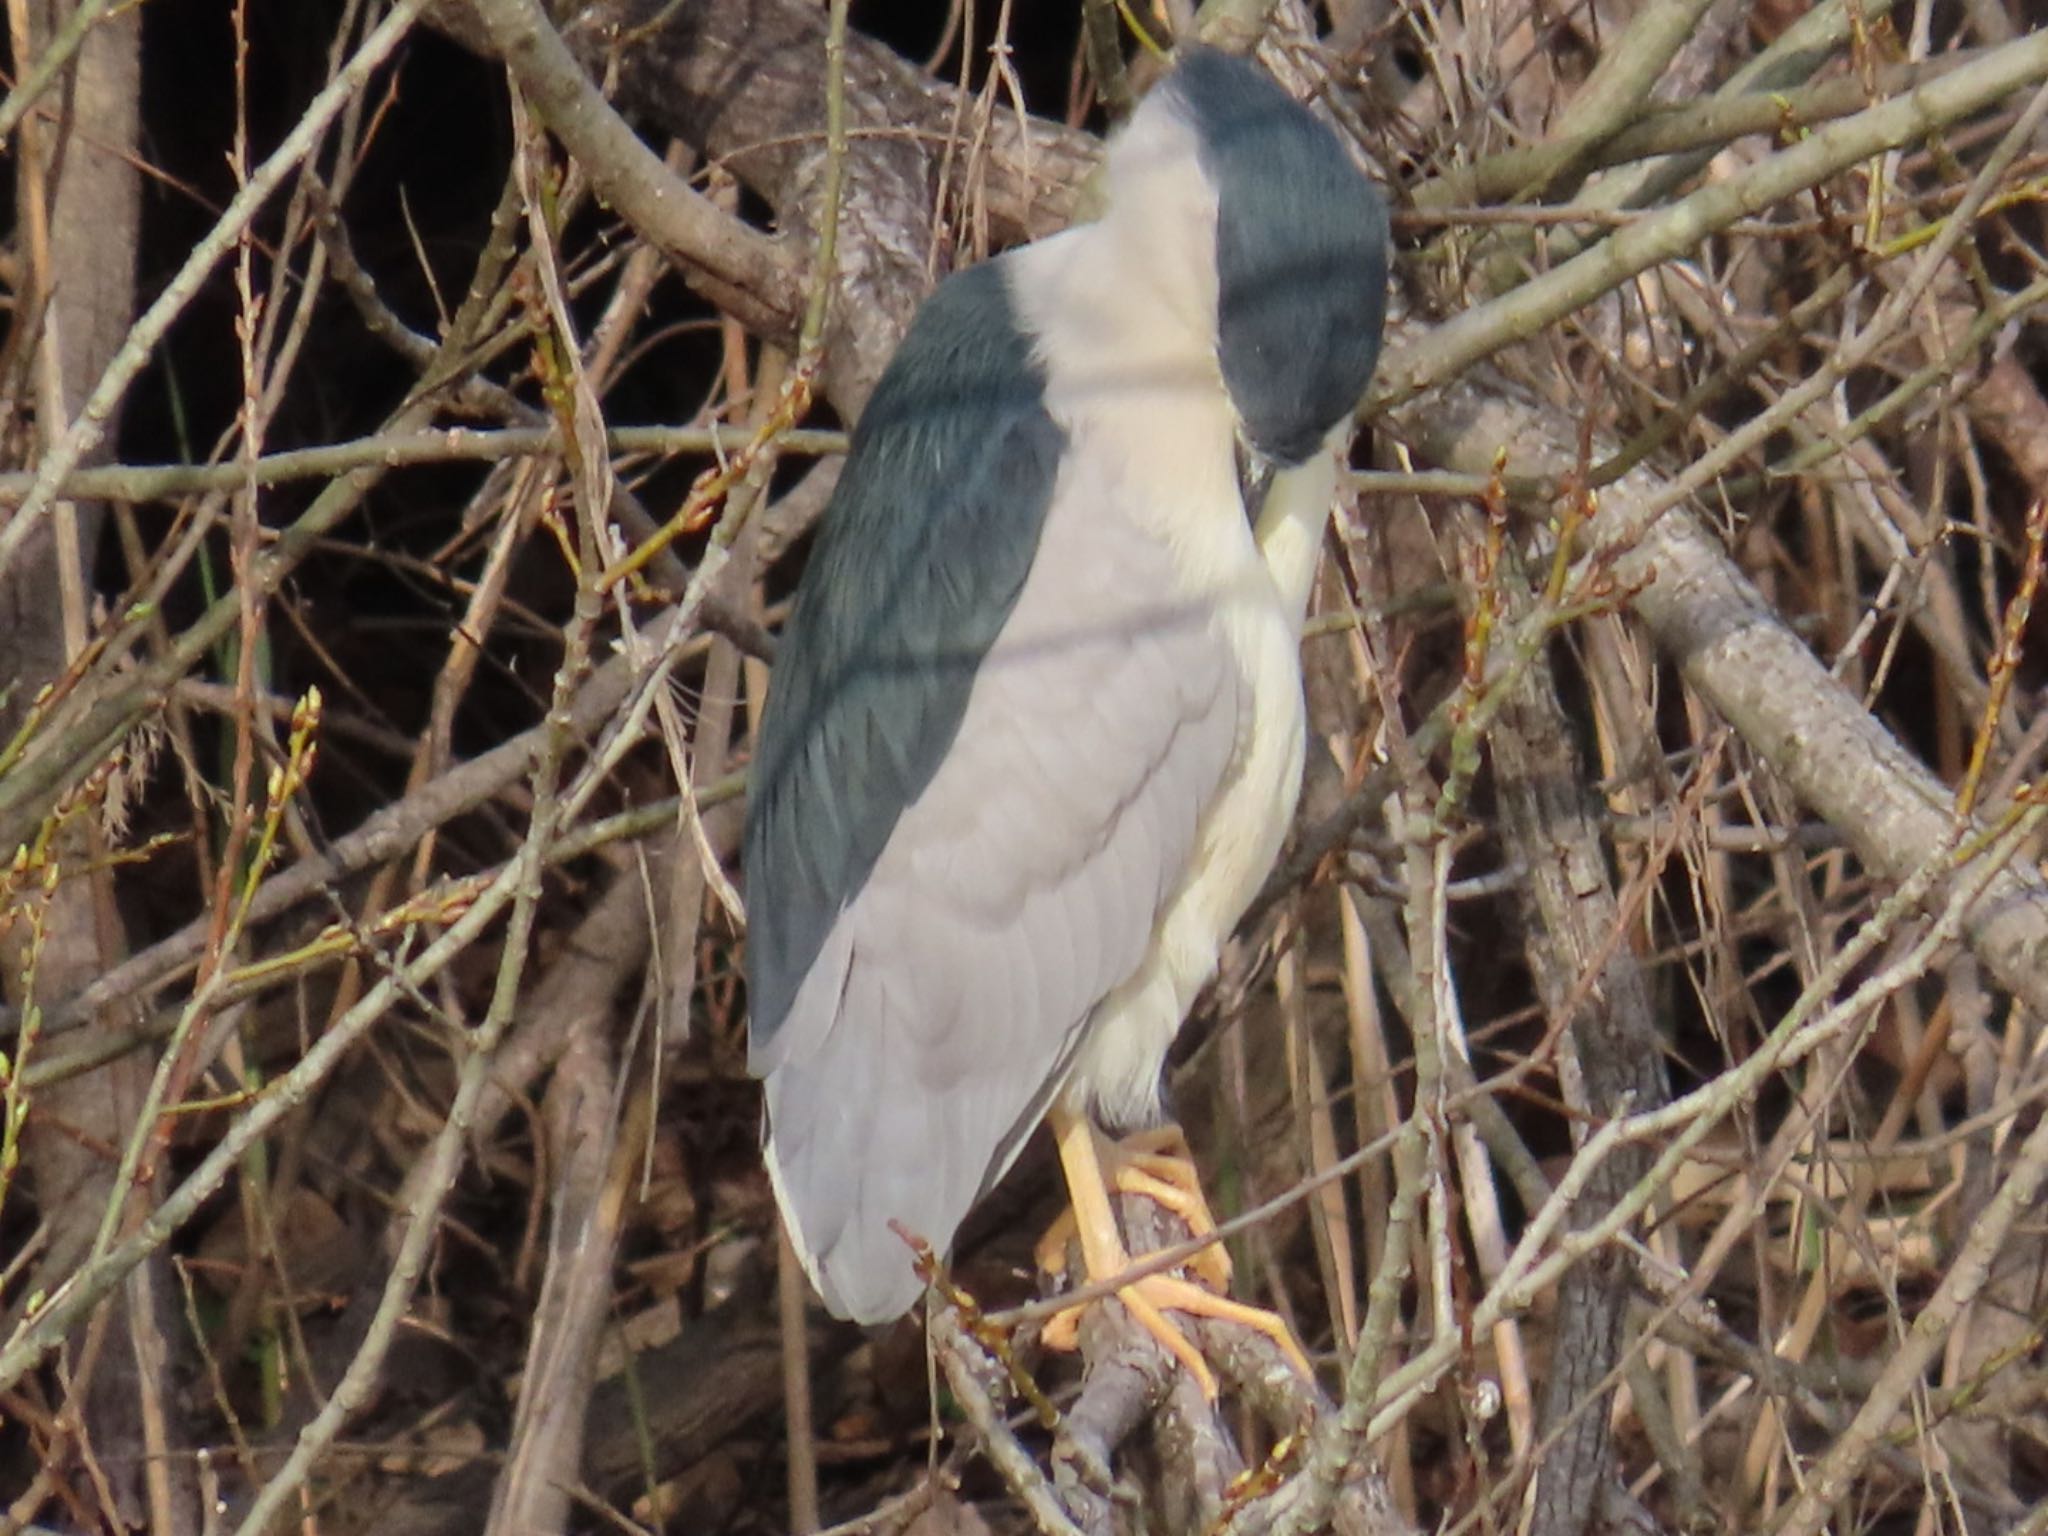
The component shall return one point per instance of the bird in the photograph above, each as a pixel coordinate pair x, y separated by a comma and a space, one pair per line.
1035, 729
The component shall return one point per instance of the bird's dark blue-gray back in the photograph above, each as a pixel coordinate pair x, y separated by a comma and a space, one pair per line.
917, 565
1301, 255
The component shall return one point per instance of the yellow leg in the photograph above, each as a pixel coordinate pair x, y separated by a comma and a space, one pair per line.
1158, 1165
1171, 1181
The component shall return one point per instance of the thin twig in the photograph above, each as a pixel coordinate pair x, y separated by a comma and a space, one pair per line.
394, 450
1453, 347
91, 423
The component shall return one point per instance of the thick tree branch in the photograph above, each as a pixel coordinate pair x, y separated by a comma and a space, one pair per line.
745, 273
1737, 650
1586, 971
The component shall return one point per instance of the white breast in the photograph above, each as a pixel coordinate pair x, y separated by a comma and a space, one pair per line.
1152, 402
1117, 1071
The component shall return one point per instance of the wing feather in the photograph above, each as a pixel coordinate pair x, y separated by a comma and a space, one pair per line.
911, 579
1014, 893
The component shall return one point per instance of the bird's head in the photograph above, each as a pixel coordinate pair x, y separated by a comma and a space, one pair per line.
1271, 230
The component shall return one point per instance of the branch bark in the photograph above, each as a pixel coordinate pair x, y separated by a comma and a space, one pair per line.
1746, 661
744, 272
1586, 972
79, 198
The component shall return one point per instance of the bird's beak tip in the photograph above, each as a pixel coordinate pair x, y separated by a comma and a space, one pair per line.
1254, 476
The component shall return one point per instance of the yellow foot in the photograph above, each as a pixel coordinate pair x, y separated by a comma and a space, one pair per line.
1156, 1165
1150, 1297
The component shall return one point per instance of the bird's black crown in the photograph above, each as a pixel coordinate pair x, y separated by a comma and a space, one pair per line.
1301, 254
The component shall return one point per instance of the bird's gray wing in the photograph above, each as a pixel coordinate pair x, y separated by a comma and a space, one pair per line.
916, 567
1015, 891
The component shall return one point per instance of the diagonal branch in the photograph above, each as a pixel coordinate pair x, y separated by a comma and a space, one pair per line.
743, 272
1745, 660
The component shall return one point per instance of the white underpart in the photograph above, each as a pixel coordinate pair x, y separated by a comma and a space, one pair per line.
1126, 313
1118, 1069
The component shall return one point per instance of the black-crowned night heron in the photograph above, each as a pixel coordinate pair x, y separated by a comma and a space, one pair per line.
1036, 729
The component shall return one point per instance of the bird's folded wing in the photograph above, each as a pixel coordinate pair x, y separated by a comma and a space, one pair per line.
1018, 888
915, 572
